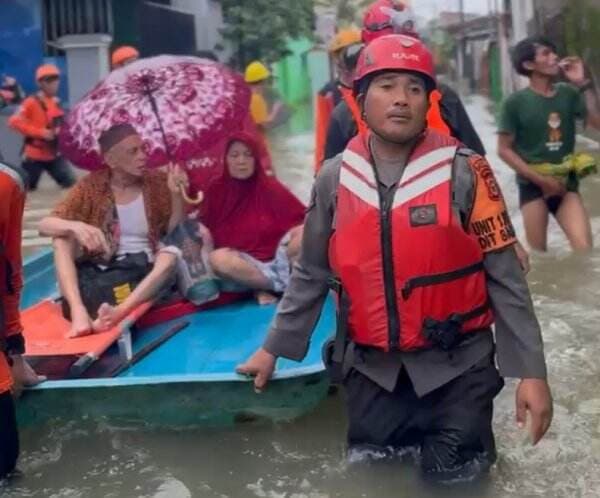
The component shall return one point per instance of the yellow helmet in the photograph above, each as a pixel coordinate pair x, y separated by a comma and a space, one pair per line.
344, 38
256, 71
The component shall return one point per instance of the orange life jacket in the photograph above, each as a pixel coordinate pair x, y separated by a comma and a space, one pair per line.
348, 96
409, 268
324, 108
435, 121
12, 190
38, 114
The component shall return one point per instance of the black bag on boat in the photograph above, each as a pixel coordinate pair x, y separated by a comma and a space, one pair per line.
111, 283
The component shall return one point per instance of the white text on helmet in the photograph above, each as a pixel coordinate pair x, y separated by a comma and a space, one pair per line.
404, 56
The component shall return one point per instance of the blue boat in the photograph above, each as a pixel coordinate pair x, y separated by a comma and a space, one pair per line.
189, 380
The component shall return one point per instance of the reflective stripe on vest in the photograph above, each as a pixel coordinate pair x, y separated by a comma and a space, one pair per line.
433, 273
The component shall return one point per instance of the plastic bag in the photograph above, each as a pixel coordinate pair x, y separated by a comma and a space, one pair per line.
195, 278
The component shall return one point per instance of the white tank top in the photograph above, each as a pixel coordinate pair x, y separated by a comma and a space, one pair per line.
134, 228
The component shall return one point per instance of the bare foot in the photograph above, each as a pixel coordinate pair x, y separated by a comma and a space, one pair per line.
81, 324
108, 317
264, 298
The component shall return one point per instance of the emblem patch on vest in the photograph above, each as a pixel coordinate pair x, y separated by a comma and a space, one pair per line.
483, 169
423, 215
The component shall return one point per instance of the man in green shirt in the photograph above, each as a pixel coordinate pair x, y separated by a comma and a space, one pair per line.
538, 126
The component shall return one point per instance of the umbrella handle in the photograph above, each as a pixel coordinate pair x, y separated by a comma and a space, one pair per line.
199, 196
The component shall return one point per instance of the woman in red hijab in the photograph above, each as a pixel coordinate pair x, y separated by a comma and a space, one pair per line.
256, 222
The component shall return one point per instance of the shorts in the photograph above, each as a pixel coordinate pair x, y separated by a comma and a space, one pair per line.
529, 192
277, 271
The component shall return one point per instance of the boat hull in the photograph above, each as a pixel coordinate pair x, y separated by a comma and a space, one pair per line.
176, 404
190, 379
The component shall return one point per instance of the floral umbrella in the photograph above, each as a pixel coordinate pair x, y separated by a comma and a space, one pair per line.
181, 106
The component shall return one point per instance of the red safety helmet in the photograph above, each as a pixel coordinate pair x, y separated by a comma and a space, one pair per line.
395, 53
386, 17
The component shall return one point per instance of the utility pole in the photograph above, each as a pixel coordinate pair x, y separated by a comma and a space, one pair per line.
461, 44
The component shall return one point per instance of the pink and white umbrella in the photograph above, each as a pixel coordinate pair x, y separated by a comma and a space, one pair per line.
181, 106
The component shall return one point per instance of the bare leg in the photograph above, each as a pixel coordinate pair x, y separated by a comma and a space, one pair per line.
574, 219
295, 244
228, 264
65, 250
147, 290
535, 219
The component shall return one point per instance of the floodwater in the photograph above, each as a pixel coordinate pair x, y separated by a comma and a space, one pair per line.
305, 458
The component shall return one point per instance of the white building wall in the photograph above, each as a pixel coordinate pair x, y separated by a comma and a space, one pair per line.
208, 19
522, 14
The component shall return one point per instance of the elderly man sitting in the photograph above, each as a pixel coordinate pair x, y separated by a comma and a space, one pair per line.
110, 214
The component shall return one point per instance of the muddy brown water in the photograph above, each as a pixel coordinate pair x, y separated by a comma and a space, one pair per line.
305, 458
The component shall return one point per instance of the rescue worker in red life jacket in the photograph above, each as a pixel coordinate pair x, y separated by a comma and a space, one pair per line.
414, 230
446, 113
345, 43
14, 371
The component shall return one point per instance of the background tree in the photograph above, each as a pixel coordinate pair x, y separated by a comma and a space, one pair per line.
347, 11
582, 32
260, 29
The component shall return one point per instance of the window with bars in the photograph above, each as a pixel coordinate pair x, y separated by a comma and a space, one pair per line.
74, 17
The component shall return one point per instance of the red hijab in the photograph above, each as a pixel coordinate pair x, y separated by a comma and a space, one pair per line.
250, 215
205, 169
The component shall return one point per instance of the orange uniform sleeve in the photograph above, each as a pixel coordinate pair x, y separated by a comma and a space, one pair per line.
489, 222
11, 224
27, 120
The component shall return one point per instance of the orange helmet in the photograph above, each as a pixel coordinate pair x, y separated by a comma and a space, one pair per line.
344, 38
395, 53
46, 71
123, 54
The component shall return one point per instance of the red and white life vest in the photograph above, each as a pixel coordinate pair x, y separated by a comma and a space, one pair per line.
409, 266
